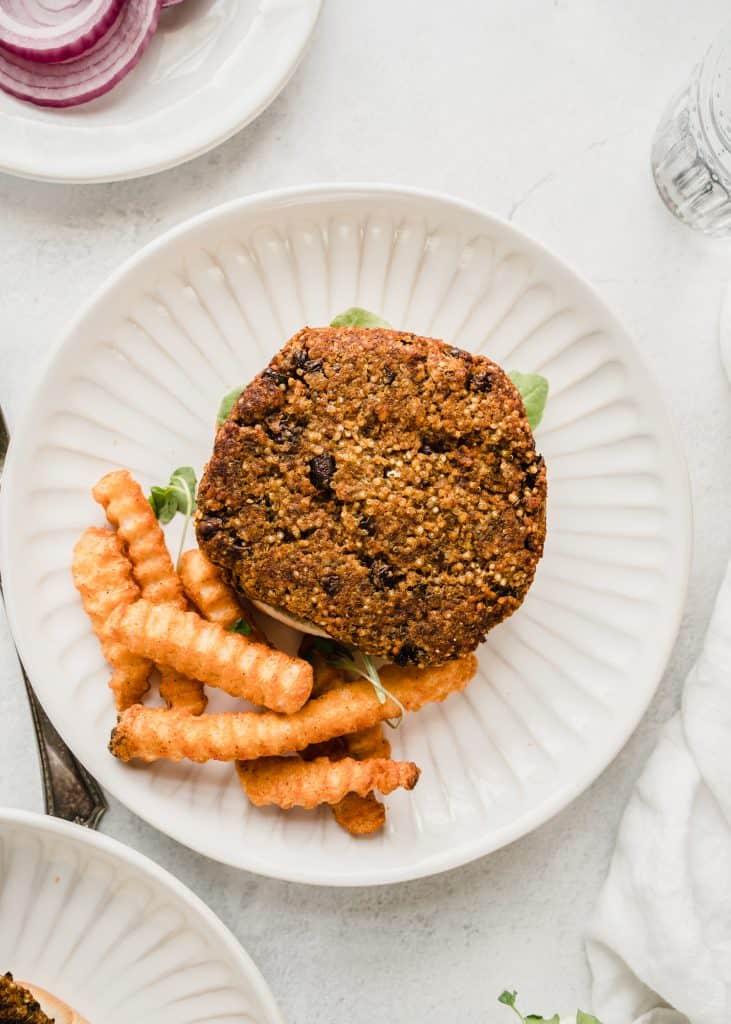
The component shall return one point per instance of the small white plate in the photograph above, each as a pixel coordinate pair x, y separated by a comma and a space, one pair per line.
136, 382
211, 68
113, 935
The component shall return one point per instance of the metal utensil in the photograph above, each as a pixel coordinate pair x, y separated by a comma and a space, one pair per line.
69, 791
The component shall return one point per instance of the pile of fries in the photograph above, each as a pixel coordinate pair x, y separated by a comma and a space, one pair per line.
320, 739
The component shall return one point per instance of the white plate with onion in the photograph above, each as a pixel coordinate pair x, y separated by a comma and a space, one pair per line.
101, 90
136, 381
112, 936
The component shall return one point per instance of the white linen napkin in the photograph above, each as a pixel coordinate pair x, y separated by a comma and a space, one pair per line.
660, 944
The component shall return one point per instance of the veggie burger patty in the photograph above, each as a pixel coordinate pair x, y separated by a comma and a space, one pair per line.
382, 485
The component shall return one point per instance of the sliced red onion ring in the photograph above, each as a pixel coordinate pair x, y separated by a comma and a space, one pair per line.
54, 30
94, 72
171, 3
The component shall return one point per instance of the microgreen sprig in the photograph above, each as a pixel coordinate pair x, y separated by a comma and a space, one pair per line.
352, 660
508, 998
178, 496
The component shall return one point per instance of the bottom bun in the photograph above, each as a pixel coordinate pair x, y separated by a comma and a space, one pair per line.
54, 1008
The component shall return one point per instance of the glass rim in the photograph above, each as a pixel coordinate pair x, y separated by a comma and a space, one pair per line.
708, 97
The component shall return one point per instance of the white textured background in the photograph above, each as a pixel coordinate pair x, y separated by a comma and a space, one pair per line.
539, 110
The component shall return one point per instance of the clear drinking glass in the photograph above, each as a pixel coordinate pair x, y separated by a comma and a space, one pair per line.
691, 152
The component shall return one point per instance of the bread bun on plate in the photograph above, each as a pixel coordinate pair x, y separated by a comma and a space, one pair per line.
56, 1009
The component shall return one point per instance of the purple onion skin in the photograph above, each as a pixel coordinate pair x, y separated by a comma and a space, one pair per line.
67, 47
25, 88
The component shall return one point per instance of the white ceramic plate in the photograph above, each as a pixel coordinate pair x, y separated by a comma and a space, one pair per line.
136, 382
113, 935
211, 68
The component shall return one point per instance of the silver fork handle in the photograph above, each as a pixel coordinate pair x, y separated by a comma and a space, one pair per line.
69, 791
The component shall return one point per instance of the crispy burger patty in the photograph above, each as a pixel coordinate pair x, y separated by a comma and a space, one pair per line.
384, 486
18, 1005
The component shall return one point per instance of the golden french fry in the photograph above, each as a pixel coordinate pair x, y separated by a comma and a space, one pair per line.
180, 691
326, 677
186, 642
213, 598
153, 733
363, 815
130, 512
103, 576
335, 749
360, 815
290, 782
368, 743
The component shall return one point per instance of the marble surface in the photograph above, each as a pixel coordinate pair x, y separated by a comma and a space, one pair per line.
541, 111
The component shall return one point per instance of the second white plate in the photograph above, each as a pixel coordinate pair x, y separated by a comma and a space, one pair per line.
561, 685
211, 68
113, 935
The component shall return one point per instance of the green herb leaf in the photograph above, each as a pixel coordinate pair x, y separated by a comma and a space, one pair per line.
164, 504
182, 485
185, 476
357, 317
534, 391
510, 999
178, 496
240, 626
227, 403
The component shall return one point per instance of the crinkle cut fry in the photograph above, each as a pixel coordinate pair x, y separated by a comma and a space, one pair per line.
130, 512
363, 815
213, 598
150, 734
216, 602
103, 576
290, 782
368, 743
195, 647
359, 815
326, 676
181, 692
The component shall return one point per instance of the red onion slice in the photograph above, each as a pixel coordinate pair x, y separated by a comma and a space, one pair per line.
94, 72
54, 30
